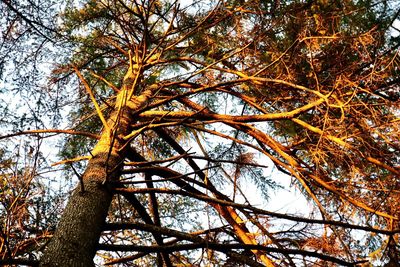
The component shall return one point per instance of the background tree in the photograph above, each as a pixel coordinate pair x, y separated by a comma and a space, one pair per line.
185, 106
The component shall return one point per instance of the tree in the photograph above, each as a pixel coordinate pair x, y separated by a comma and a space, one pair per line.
186, 105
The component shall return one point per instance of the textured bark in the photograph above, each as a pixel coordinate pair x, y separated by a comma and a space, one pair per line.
75, 240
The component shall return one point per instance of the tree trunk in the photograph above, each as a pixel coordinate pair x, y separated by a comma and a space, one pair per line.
77, 235
75, 240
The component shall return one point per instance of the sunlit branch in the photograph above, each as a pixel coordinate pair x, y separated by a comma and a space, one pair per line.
68, 161
66, 131
90, 92
112, 86
238, 118
296, 168
344, 144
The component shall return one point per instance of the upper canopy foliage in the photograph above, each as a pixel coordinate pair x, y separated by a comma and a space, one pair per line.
311, 85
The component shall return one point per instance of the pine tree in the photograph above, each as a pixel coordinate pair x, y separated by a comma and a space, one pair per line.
175, 109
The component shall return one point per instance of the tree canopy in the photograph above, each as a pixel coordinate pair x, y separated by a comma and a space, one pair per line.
168, 114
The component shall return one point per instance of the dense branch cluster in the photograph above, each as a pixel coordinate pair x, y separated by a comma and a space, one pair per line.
191, 104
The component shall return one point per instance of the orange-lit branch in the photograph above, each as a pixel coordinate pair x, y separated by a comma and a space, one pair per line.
92, 97
66, 131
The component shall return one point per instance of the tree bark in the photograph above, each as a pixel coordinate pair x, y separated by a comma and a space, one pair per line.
75, 240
